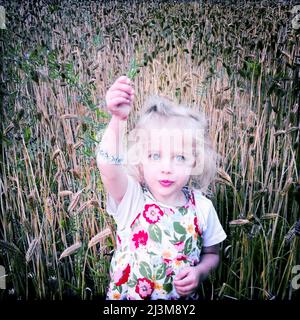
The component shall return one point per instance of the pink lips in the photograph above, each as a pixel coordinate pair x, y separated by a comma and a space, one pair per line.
166, 183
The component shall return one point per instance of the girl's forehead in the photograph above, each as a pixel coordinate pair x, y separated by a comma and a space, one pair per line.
169, 140
168, 132
168, 123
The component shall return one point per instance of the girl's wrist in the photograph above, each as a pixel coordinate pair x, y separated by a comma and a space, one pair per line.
118, 127
203, 271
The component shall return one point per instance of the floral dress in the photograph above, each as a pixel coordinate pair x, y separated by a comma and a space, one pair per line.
160, 241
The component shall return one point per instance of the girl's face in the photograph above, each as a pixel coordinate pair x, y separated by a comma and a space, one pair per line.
167, 162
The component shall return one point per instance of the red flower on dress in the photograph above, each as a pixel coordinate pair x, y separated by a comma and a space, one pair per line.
144, 288
119, 240
120, 277
181, 257
134, 221
140, 238
167, 261
152, 213
196, 226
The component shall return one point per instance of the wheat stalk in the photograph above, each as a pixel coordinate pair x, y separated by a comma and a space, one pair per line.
70, 250
74, 201
33, 246
99, 236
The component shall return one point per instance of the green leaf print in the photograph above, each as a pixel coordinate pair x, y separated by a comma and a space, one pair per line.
167, 233
168, 287
188, 246
145, 270
161, 271
183, 211
168, 279
182, 238
131, 283
199, 242
119, 288
179, 228
155, 233
134, 277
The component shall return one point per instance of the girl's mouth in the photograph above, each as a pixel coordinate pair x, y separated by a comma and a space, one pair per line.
166, 183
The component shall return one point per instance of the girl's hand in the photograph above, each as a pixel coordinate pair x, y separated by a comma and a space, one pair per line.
119, 97
187, 280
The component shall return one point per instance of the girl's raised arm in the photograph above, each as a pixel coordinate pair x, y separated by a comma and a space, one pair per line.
118, 98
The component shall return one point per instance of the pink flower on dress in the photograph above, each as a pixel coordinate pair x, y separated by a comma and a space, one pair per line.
169, 272
152, 213
139, 238
144, 288
196, 226
179, 246
121, 276
134, 221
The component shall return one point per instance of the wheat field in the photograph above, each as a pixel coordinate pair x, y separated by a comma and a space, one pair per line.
239, 62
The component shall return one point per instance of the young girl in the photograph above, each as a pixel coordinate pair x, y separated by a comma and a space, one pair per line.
168, 233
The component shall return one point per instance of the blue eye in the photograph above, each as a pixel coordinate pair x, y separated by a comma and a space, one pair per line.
180, 158
154, 156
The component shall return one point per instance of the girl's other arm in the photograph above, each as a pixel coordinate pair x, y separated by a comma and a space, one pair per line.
189, 278
209, 261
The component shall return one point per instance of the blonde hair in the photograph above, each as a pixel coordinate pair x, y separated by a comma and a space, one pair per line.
159, 108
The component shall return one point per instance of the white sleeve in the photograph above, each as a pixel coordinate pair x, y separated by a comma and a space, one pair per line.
212, 230
130, 205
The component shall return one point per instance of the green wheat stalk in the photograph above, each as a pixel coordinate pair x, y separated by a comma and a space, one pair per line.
133, 69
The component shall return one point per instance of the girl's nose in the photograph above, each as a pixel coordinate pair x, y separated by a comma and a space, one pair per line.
166, 166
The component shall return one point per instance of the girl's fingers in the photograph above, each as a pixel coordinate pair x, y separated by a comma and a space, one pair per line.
183, 282
185, 291
122, 87
183, 285
119, 93
119, 100
184, 294
124, 79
